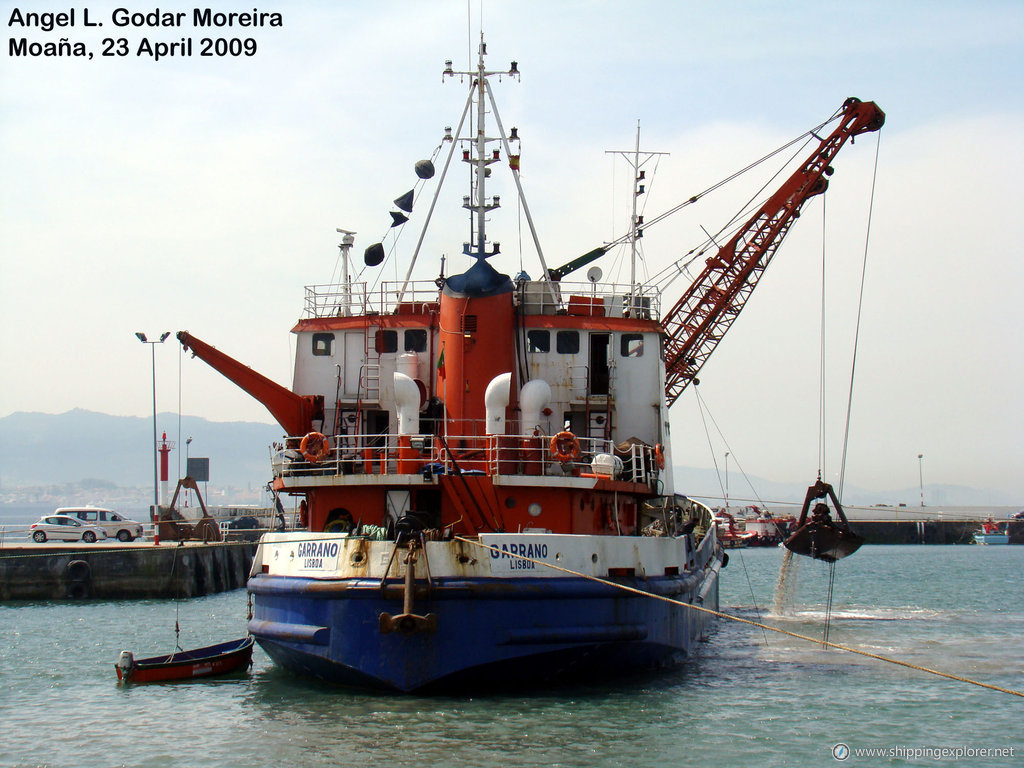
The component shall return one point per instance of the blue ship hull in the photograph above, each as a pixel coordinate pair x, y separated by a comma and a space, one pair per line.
489, 633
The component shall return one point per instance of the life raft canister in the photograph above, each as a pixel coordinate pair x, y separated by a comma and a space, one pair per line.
314, 447
565, 446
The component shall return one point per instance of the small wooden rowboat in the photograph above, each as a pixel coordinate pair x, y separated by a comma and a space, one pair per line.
184, 665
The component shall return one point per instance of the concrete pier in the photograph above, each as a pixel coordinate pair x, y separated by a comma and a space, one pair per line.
118, 571
925, 525
915, 531
928, 531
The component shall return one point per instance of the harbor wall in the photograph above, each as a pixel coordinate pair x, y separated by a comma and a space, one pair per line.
928, 531
119, 573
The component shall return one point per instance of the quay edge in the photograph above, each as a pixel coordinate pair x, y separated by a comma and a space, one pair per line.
144, 571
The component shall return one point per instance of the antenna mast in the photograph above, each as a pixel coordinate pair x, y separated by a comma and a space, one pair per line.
636, 160
344, 247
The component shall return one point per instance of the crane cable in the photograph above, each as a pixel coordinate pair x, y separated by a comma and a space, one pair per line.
853, 369
860, 306
821, 404
718, 614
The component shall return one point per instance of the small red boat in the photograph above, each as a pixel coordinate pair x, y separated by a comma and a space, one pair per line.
185, 665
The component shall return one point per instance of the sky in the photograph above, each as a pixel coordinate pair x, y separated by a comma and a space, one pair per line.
203, 193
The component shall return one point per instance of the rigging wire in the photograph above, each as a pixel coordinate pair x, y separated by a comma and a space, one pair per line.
418, 189
669, 274
519, 232
680, 266
743, 562
714, 456
703, 405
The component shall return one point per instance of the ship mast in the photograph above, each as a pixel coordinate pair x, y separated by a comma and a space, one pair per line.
477, 203
639, 188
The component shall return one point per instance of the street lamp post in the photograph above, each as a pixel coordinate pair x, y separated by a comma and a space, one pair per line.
920, 475
156, 482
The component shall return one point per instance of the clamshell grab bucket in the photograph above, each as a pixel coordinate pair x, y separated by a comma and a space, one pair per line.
819, 536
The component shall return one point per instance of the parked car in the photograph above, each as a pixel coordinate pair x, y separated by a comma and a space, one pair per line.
1016, 515
243, 528
65, 528
113, 523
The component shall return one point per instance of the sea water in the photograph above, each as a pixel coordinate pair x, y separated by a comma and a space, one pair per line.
749, 698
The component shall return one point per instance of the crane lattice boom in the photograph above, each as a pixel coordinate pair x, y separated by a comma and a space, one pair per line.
703, 314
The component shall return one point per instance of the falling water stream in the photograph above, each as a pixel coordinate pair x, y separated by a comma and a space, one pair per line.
785, 587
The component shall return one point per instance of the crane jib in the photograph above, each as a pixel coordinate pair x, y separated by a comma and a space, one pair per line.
699, 319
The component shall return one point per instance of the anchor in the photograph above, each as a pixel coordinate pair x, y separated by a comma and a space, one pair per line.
407, 622
821, 537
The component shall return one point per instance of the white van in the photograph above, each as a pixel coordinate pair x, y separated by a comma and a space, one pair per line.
112, 522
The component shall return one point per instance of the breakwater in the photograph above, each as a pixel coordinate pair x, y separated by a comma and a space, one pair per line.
123, 571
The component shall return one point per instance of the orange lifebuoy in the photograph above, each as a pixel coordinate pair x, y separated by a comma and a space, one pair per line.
565, 446
659, 455
314, 447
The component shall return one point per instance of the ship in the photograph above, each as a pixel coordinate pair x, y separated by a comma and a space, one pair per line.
991, 533
751, 526
481, 464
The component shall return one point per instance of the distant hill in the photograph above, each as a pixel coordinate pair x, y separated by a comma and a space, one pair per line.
48, 449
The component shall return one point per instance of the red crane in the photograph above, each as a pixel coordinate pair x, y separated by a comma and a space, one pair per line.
706, 310
296, 413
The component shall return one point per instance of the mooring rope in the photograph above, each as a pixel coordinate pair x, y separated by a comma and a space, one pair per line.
779, 630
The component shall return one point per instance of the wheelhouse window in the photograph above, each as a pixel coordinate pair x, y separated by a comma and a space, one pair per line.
538, 341
567, 342
632, 345
416, 340
323, 344
386, 341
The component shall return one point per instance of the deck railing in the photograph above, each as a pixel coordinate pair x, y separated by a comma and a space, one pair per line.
590, 299
536, 297
472, 454
338, 300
